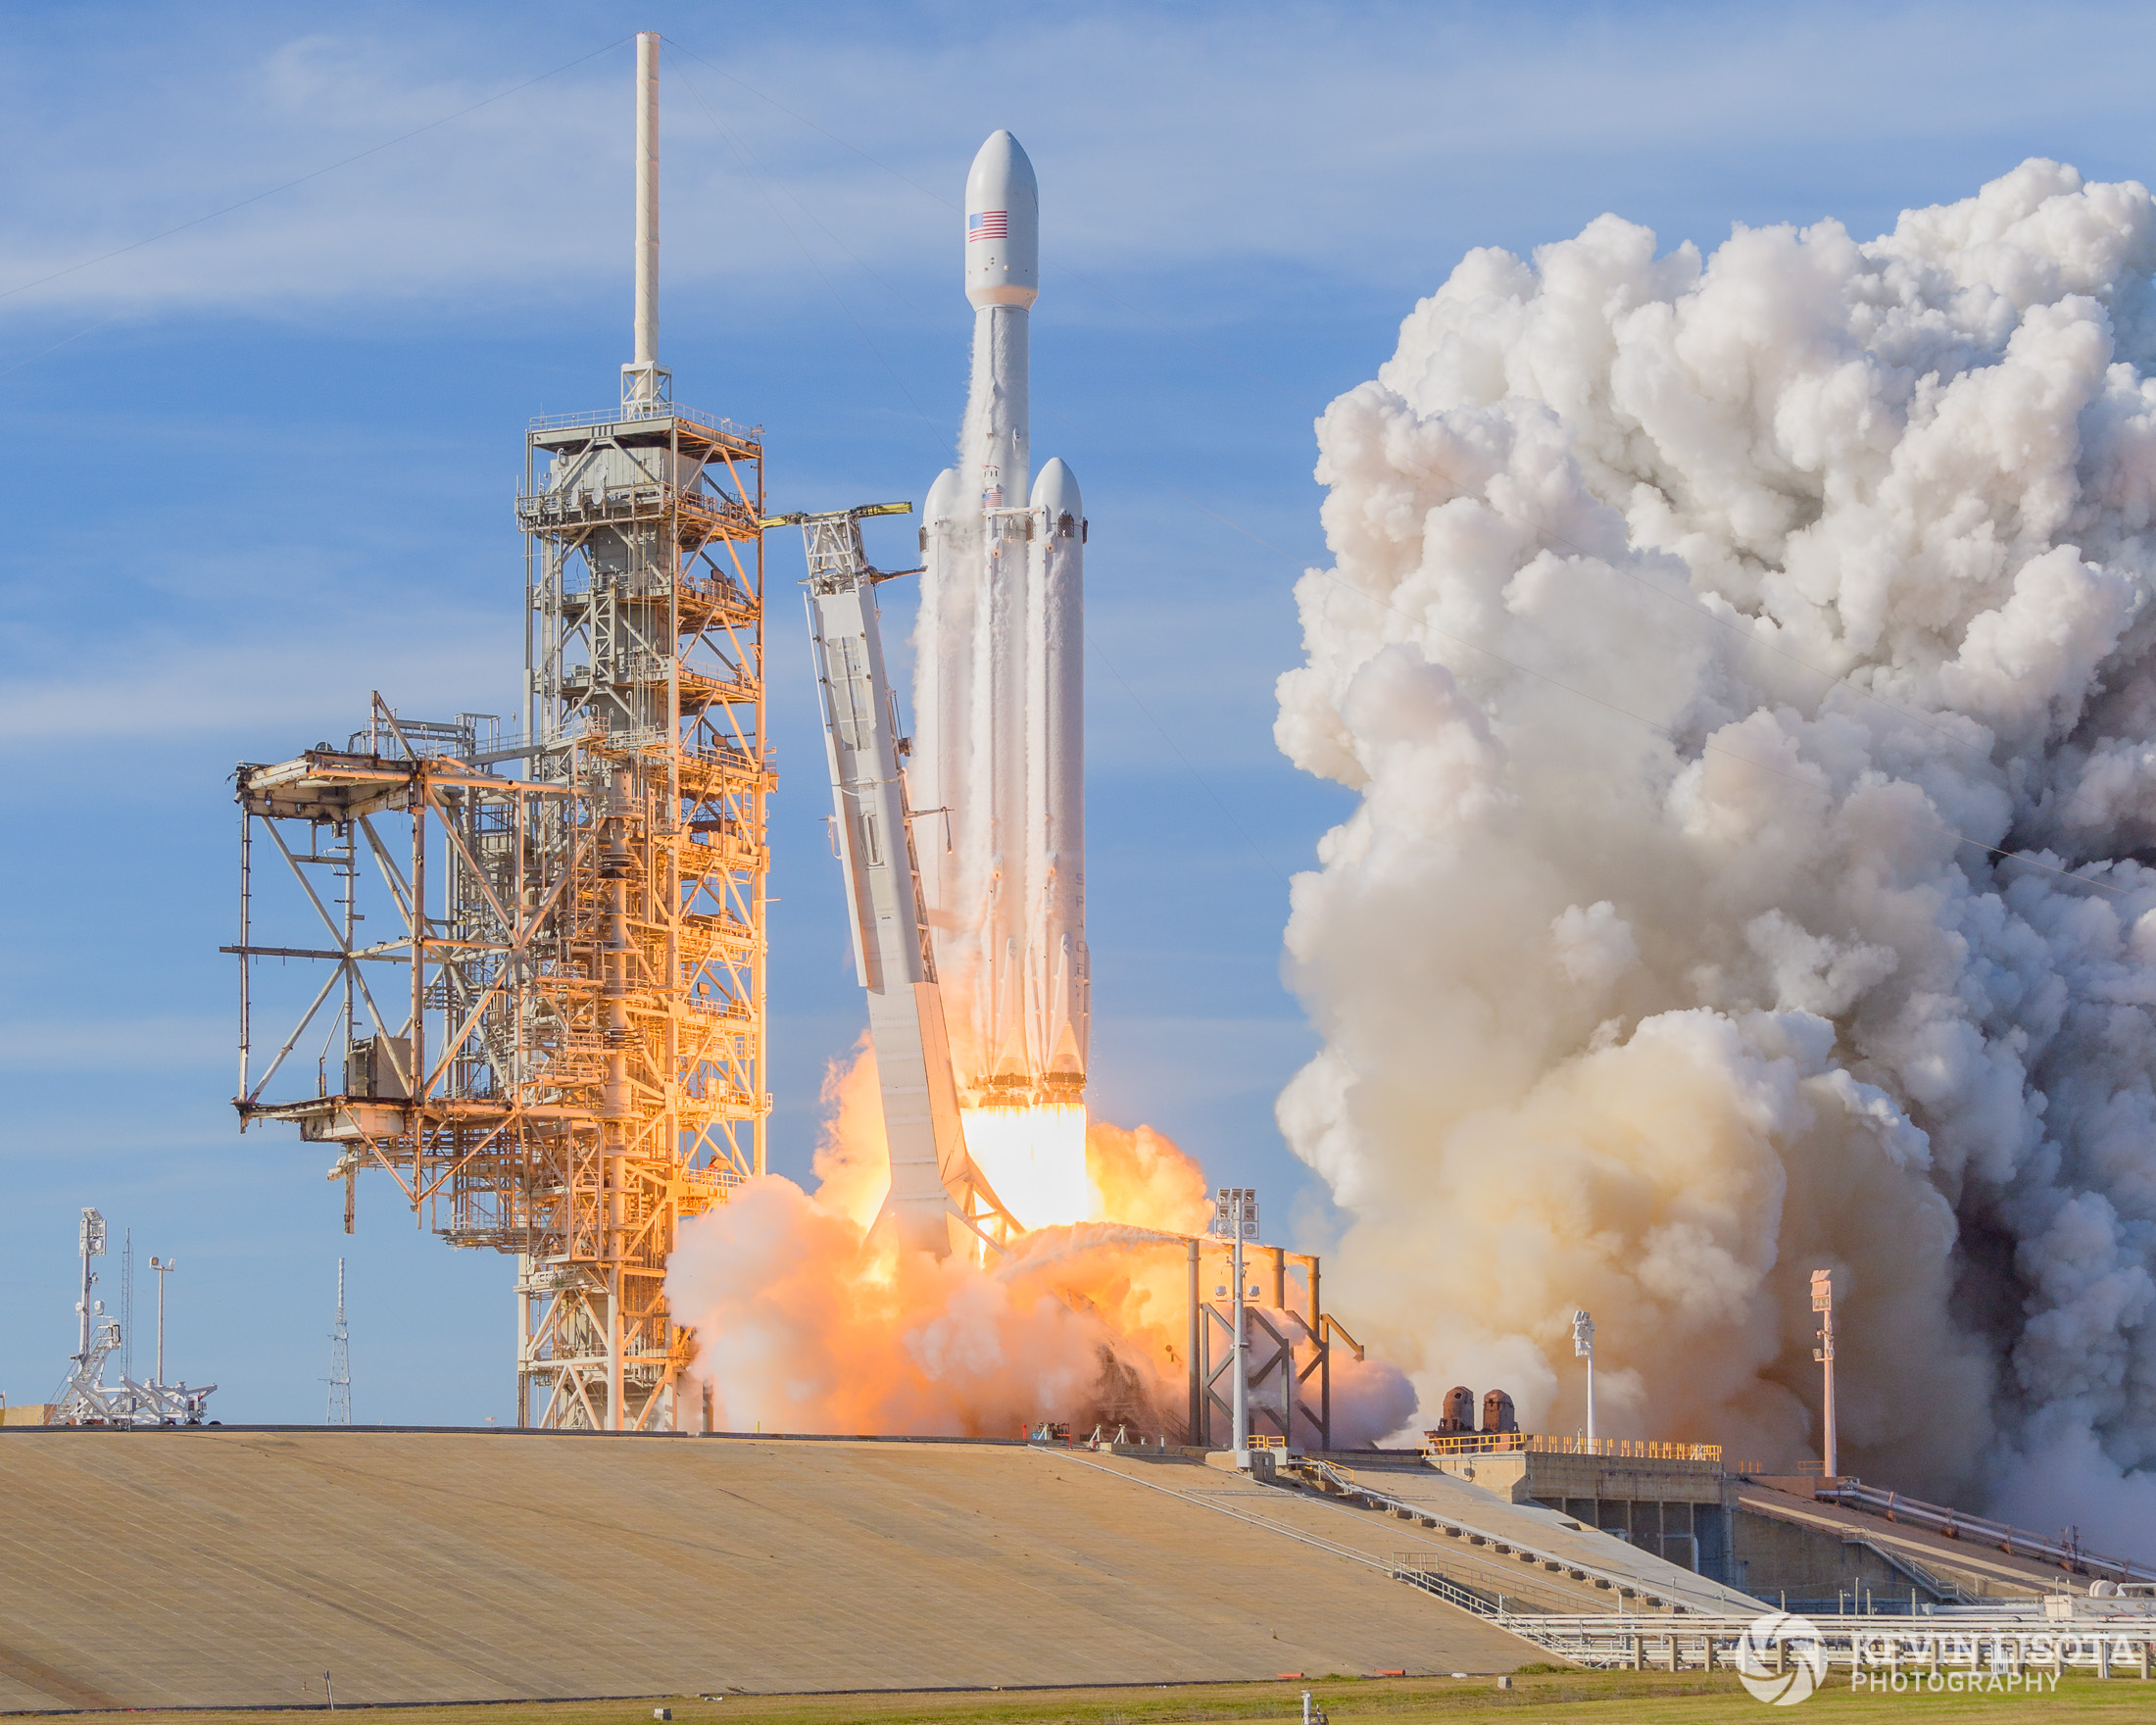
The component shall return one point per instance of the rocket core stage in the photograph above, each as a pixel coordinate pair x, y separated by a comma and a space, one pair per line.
1000, 750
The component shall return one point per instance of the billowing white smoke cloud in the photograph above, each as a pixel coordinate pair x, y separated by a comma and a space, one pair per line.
1695, 626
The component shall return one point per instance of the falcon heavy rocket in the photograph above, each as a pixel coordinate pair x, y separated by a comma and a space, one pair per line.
998, 753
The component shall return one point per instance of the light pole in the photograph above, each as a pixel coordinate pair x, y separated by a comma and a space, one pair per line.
1583, 1347
1822, 1302
1235, 1215
164, 1266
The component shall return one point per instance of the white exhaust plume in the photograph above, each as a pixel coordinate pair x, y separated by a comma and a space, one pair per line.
1695, 626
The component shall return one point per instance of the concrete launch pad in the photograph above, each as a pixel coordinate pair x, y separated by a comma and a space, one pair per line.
231, 1568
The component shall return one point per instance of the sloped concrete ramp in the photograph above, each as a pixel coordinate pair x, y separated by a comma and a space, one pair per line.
1533, 1529
1979, 1570
232, 1567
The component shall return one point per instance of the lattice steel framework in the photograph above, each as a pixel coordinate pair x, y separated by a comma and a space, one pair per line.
645, 564
569, 1056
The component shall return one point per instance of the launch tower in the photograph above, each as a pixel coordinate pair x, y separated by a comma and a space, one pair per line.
552, 1035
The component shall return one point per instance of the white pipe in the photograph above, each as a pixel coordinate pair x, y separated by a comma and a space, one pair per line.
646, 198
1832, 1456
1240, 1383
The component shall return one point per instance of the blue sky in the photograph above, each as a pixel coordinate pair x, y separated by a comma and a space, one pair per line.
262, 465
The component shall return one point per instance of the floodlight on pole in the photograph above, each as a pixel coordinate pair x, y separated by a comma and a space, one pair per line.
164, 1266
1583, 1347
1822, 1302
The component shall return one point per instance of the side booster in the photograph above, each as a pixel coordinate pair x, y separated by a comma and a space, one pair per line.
1056, 971
1000, 689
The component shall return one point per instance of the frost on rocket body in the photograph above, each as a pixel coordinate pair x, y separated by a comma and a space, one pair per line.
1688, 614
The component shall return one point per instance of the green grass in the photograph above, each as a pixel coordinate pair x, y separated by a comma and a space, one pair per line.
1565, 1698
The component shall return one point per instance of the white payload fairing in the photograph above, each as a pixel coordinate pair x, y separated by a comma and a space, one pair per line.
999, 751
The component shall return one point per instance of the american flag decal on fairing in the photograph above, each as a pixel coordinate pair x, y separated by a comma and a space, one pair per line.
988, 224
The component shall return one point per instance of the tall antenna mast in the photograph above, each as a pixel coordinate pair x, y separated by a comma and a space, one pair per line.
644, 381
340, 1361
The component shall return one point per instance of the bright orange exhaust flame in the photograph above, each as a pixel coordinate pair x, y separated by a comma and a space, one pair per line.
1035, 1160
805, 1321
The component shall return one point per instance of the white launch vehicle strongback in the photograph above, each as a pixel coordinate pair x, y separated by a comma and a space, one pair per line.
1000, 692
933, 1180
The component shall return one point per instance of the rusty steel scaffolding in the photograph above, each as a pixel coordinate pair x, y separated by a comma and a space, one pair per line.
557, 1049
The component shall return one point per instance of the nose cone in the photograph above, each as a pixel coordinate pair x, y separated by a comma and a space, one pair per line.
943, 498
1003, 227
1056, 491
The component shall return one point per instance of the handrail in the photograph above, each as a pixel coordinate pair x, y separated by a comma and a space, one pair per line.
1637, 1585
1937, 1585
1548, 1444
1878, 1647
1451, 1593
630, 415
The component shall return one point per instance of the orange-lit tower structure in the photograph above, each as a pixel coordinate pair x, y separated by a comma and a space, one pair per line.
555, 1044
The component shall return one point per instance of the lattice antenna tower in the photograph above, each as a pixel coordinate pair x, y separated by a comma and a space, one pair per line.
340, 1361
569, 1058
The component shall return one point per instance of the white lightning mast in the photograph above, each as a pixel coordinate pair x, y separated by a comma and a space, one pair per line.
643, 381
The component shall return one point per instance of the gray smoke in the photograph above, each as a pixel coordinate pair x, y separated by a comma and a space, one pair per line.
1696, 629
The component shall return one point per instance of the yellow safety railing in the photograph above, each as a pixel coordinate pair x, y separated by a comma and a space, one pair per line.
1545, 1443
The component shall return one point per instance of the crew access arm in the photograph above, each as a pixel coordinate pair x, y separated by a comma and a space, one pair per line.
933, 1180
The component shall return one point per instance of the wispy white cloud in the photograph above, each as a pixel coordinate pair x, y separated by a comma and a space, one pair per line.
295, 688
1329, 137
